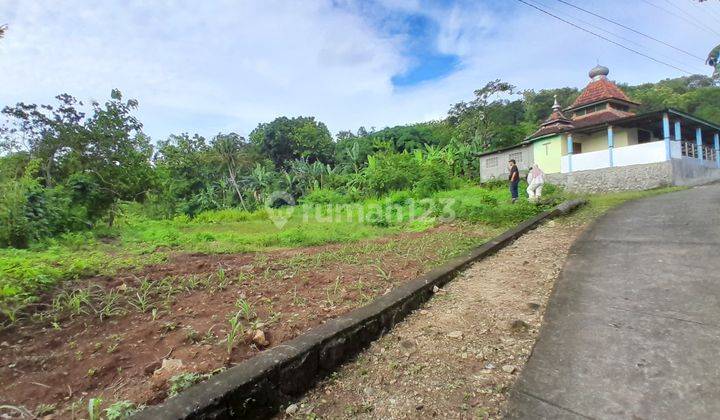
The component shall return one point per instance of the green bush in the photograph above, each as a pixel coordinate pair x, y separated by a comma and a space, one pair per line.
494, 184
220, 216
29, 213
120, 410
386, 214
16, 229
183, 381
434, 177
505, 214
324, 196
391, 172
399, 197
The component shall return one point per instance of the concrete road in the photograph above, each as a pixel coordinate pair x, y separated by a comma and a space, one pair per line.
632, 329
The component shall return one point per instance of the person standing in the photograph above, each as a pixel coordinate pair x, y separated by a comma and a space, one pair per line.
536, 180
514, 179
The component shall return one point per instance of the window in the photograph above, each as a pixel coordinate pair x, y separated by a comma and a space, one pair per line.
577, 148
620, 107
547, 149
516, 156
644, 136
491, 162
590, 109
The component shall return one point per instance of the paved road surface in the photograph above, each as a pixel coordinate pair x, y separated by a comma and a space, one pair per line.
633, 327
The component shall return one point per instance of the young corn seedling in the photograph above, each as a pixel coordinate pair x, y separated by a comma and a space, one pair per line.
94, 408
110, 305
142, 300
298, 300
192, 282
385, 275
74, 302
10, 310
242, 278
247, 311
236, 329
221, 279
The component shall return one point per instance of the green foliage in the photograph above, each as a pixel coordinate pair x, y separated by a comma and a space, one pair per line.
183, 381
391, 171
15, 228
433, 177
120, 410
421, 172
285, 139
235, 329
694, 94
352, 150
325, 196
77, 168
94, 408
225, 216
492, 206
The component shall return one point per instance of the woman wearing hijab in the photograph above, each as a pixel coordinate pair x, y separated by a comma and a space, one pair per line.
535, 180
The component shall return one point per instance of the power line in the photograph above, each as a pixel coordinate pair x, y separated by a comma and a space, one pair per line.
692, 17
584, 22
690, 21
632, 30
605, 38
707, 8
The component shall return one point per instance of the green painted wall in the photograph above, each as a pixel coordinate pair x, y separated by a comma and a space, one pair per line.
547, 152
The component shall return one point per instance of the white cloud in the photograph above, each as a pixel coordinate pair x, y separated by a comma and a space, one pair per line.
211, 66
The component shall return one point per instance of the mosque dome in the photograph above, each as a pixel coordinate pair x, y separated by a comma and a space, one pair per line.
599, 71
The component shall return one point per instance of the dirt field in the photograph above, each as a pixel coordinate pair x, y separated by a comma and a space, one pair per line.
179, 311
460, 354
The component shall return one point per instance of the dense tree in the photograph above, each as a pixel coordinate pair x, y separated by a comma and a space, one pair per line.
694, 94
183, 166
352, 150
481, 120
63, 170
103, 158
54, 135
286, 139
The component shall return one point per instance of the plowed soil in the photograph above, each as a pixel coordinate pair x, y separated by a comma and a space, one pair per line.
56, 365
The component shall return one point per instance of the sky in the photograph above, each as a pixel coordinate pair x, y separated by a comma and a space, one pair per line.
219, 66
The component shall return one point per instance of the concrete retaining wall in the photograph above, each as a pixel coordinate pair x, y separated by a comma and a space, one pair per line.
686, 172
633, 177
260, 386
679, 172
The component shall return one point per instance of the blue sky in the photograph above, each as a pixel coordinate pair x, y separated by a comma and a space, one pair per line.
226, 65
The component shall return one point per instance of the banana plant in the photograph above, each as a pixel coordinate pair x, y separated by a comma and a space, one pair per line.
259, 180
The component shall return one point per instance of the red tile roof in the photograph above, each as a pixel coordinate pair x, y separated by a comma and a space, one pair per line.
551, 129
555, 123
606, 115
556, 116
598, 90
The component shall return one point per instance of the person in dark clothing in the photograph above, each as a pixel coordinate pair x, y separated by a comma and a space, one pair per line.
514, 179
